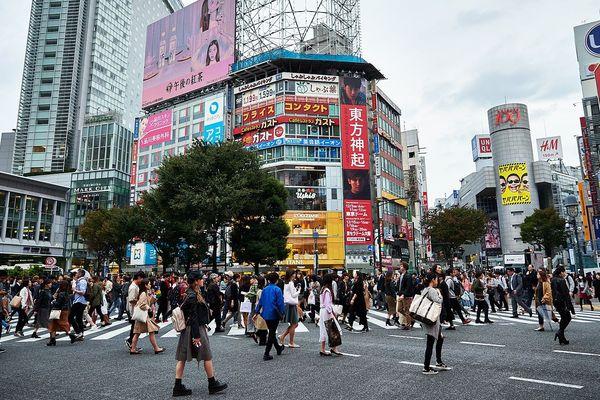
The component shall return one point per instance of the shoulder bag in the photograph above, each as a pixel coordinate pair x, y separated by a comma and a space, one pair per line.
424, 310
178, 319
54, 314
16, 302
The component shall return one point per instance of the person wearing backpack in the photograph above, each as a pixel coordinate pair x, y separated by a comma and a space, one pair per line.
433, 332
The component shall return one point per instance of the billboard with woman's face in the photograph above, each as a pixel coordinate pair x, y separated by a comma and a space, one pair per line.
188, 50
514, 184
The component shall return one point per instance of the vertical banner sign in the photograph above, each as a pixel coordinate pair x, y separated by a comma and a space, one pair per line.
584, 213
588, 165
358, 218
214, 127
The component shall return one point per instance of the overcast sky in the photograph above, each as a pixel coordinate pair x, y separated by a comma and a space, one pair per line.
446, 63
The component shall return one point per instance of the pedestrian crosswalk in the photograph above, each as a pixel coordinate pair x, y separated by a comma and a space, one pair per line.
119, 330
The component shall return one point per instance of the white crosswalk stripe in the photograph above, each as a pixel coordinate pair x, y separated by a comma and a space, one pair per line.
119, 330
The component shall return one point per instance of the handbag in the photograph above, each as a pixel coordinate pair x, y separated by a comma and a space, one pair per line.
178, 319
54, 314
16, 302
139, 315
424, 310
334, 335
246, 306
338, 309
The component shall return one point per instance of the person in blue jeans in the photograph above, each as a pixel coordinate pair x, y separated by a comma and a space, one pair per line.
271, 308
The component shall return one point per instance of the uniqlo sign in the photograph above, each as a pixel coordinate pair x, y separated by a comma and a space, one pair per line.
355, 137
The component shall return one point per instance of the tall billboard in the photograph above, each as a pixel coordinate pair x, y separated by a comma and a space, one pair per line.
188, 50
358, 218
587, 46
156, 128
549, 148
514, 184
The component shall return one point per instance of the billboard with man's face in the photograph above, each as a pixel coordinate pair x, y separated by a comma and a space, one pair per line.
188, 50
514, 184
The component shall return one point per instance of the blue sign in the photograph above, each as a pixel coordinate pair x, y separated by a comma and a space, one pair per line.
298, 142
592, 40
597, 227
375, 144
136, 129
214, 133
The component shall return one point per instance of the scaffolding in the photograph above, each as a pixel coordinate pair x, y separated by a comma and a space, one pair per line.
304, 26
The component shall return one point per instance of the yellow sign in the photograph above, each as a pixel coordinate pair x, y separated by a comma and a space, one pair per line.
514, 184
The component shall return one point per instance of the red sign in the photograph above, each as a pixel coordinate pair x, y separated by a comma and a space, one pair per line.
300, 107
425, 202
597, 76
253, 138
358, 222
133, 176
355, 137
258, 113
485, 145
318, 121
508, 116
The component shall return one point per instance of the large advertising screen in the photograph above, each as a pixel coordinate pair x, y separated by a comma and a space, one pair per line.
492, 235
358, 218
156, 128
188, 50
514, 184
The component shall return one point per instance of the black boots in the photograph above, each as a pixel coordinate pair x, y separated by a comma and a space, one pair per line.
180, 390
51, 342
214, 386
73, 337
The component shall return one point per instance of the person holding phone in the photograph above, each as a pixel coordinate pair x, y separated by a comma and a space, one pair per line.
193, 341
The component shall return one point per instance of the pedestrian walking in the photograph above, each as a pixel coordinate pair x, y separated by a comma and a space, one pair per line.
542, 296
479, 288
144, 303
406, 291
133, 294
4, 325
290, 298
42, 308
23, 304
562, 302
358, 306
433, 332
232, 299
515, 288
271, 308
329, 329
193, 341
584, 291
260, 324
80, 286
214, 298
62, 303
389, 290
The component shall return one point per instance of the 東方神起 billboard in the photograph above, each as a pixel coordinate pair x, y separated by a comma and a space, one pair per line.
514, 184
188, 50
358, 219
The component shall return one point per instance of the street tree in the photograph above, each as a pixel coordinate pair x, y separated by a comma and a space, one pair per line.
202, 191
545, 228
259, 234
450, 228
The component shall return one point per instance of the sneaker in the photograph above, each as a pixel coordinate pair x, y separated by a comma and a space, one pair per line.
128, 344
442, 367
2, 351
216, 387
429, 371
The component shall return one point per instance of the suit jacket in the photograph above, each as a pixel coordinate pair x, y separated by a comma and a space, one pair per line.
516, 283
407, 286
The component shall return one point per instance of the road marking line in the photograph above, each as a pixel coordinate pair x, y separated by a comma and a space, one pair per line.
407, 337
301, 328
568, 385
171, 333
351, 355
94, 332
519, 320
229, 337
484, 344
26, 332
160, 326
380, 323
111, 334
412, 363
577, 353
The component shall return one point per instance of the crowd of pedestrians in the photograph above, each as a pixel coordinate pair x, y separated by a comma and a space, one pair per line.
79, 302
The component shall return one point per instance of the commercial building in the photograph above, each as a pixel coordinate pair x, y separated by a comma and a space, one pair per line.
508, 185
7, 147
32, 221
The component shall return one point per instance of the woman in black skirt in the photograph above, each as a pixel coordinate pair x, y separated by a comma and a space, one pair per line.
193, 341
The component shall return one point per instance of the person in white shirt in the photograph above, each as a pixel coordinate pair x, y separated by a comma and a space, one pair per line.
290, 298
24, 308
132, 298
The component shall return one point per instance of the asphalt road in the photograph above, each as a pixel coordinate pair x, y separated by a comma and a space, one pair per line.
485, 359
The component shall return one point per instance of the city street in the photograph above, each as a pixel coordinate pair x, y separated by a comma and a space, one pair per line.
505, 360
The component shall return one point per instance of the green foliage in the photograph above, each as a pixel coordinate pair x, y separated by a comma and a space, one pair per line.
35, 270
199, 193
450, 228
545, 228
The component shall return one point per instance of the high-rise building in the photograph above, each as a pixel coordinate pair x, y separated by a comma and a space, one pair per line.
7, 147
82, 58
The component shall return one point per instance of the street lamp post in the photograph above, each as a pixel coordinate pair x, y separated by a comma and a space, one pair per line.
572, 207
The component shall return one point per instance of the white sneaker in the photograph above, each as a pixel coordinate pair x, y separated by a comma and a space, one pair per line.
442, 367
429, 372
93, 327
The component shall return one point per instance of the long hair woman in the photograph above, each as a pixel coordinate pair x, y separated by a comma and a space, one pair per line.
24, 308
326, 314
434, 332
290, 298
61, 302
542, 295
193, 341
42, 308
562, 302
479, 288
358, 306
585, 291
150, 327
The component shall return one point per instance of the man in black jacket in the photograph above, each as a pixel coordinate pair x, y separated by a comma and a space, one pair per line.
214, 297
406, 292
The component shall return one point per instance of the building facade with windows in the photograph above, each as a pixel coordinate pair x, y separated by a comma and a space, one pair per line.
32, 220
